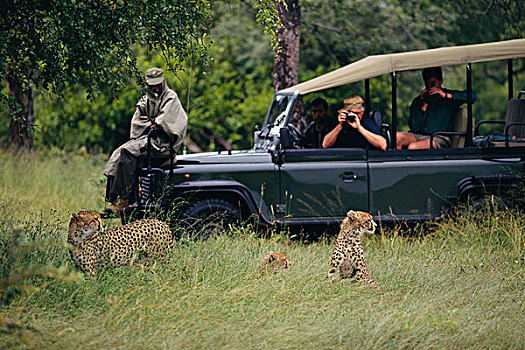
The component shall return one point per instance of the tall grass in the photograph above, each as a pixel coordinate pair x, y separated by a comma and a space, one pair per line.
459, 284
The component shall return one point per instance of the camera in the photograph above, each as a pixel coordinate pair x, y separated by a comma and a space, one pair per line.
350, 116
427, 97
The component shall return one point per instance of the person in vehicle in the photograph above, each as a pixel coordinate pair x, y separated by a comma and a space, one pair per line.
319, 127
354, 130
160, 109
432, 111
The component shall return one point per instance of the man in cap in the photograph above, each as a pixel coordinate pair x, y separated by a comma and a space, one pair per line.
319, 127
354, 130
160, 110
431, 111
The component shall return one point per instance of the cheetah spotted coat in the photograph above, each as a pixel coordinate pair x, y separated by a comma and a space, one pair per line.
347, 255
93, 248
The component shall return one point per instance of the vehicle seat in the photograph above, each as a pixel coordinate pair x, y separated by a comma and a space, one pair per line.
376, 117
514, 124
385, 128
460, 125
516, 114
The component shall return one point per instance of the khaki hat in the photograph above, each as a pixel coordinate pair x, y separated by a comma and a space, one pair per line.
352, 102
154, 76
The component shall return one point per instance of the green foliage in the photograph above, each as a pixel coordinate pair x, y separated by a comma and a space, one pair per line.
341, 32
50, 44
98, 50
232, 94
77, 48
228, 94
74, 122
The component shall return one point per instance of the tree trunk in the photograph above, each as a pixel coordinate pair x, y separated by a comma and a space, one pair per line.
21, 115
286, 62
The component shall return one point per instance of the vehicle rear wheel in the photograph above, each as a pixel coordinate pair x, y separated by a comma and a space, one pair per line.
209, 217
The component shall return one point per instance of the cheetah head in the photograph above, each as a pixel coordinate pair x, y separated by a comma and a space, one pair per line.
363, 220
276, 258
82, 225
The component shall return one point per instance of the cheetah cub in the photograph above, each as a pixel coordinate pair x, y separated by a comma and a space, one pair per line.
94, 248
348, 250
272, 262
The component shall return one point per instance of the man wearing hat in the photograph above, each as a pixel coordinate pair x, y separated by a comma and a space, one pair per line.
160, 110
354, 130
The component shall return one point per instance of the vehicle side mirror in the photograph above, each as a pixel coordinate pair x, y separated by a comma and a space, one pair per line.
286, 141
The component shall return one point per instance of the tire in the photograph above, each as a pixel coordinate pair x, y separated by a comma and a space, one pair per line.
209, 217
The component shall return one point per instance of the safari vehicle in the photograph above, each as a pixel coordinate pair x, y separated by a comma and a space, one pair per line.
276, 184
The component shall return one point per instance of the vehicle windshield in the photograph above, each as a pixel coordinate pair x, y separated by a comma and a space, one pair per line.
277, 114
276, 119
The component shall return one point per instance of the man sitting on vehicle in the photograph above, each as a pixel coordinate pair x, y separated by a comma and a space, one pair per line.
354, 130
432, 111
159, 110
319, 127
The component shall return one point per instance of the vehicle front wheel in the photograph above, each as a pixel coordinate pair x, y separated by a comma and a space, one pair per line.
208, 217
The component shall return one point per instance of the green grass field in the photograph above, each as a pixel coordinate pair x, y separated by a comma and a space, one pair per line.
457, 285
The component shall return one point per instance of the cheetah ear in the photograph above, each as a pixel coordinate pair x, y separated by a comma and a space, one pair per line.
351, 214
75, 216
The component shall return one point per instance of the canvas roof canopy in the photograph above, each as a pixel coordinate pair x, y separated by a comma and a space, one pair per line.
373, 66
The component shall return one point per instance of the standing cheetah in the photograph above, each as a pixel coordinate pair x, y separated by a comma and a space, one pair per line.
94, 248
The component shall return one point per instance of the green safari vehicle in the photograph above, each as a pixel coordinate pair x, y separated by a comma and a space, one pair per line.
276, 184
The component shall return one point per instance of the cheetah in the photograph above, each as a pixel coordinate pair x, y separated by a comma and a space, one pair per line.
348, 251
273, 261
94, 248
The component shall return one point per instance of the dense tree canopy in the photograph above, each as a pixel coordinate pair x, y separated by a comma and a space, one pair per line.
51, 44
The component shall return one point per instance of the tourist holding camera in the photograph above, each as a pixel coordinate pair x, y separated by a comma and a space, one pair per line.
354, 130
432, 111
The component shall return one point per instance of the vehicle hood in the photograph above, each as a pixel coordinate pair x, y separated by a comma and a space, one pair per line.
245, 156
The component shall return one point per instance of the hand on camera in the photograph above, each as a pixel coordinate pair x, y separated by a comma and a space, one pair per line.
349, 117
437, 90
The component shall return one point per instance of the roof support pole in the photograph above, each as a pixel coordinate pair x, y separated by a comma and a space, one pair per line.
468, 141
367, 95
394, 111
510, 78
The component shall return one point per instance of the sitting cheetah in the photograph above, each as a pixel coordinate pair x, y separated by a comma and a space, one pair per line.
348, 250
94, 248
272, 262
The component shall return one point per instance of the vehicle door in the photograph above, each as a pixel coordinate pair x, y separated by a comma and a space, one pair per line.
418, 184
322, 184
